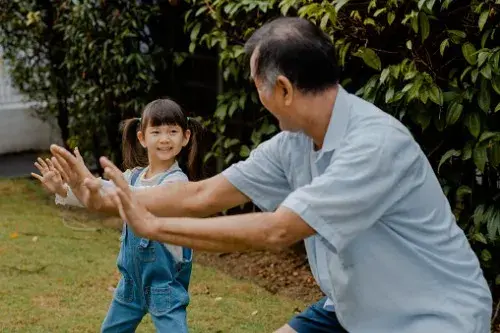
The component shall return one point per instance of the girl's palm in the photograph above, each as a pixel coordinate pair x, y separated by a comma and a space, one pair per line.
50, 178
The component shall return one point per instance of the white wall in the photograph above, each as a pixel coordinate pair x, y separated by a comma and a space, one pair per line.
20, 130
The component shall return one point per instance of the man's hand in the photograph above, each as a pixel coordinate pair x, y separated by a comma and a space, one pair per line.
72, 167
136, 215
50, 178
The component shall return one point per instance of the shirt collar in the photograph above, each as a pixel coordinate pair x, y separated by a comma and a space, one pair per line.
338, 122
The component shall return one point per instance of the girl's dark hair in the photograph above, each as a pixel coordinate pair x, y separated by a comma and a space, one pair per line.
157, 113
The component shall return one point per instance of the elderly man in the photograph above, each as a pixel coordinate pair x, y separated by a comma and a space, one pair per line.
343, 176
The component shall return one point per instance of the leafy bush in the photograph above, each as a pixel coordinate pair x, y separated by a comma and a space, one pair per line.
95, 62
432, 64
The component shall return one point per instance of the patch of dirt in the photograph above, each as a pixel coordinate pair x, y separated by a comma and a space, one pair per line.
285, 273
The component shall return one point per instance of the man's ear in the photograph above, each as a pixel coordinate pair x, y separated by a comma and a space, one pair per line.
140, 137
285, 88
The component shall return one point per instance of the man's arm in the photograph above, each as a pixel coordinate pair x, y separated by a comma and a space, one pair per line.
195, 199
271, 231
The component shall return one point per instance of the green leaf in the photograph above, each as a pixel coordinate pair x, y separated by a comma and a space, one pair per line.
481, 58
436, 95
454, 113
424, 26
467, 150
479, 237
414, 24
379, 11
482, 19
244, 151
480, 157
444, 44
385, 73
409, 44
497, 108
370, 58
474, 75
473, 123
462, 191
390, 17
195, 31
488, 135
230, 142
486, 71
228, 158
483, 97
495, 83
497, 280
478, 215
494, 154
486, 255
221, 111
449, 154
468, 50
389, 94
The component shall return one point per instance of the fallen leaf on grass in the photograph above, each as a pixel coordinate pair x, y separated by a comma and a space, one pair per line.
255, 312
34, 239
13, 235
218, 299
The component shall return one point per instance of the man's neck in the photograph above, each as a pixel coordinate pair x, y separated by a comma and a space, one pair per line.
319, 111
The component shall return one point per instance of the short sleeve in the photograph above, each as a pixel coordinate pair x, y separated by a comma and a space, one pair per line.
177, 176
364, 179
261, 176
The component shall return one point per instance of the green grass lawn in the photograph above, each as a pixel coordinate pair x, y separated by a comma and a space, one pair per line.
57, 271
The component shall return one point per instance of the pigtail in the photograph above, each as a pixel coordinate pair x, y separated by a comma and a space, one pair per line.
194, 158
134, 155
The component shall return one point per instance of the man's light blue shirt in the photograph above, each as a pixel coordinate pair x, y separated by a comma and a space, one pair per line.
388, 252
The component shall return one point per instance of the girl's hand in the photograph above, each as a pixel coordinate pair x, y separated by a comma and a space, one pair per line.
50, 178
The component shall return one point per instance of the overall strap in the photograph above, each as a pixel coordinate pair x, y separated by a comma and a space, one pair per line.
133, 179
135, 174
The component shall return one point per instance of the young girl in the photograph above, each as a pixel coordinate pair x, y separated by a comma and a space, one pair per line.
154, 276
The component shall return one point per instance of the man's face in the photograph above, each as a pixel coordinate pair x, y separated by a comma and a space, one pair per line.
276, 99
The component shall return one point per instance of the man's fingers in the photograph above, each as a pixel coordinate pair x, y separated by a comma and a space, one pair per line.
113, 196
93, 184
37, 176
114, 174
61, 171
125, 199
78, 155
62, 153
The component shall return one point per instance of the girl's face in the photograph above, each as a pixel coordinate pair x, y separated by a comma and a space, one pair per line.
164, 142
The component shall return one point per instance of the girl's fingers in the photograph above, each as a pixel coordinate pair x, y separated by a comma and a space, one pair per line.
37, 176
39, 167
49, 163
42, 163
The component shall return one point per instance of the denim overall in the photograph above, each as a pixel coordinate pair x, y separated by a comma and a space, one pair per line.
151, 281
